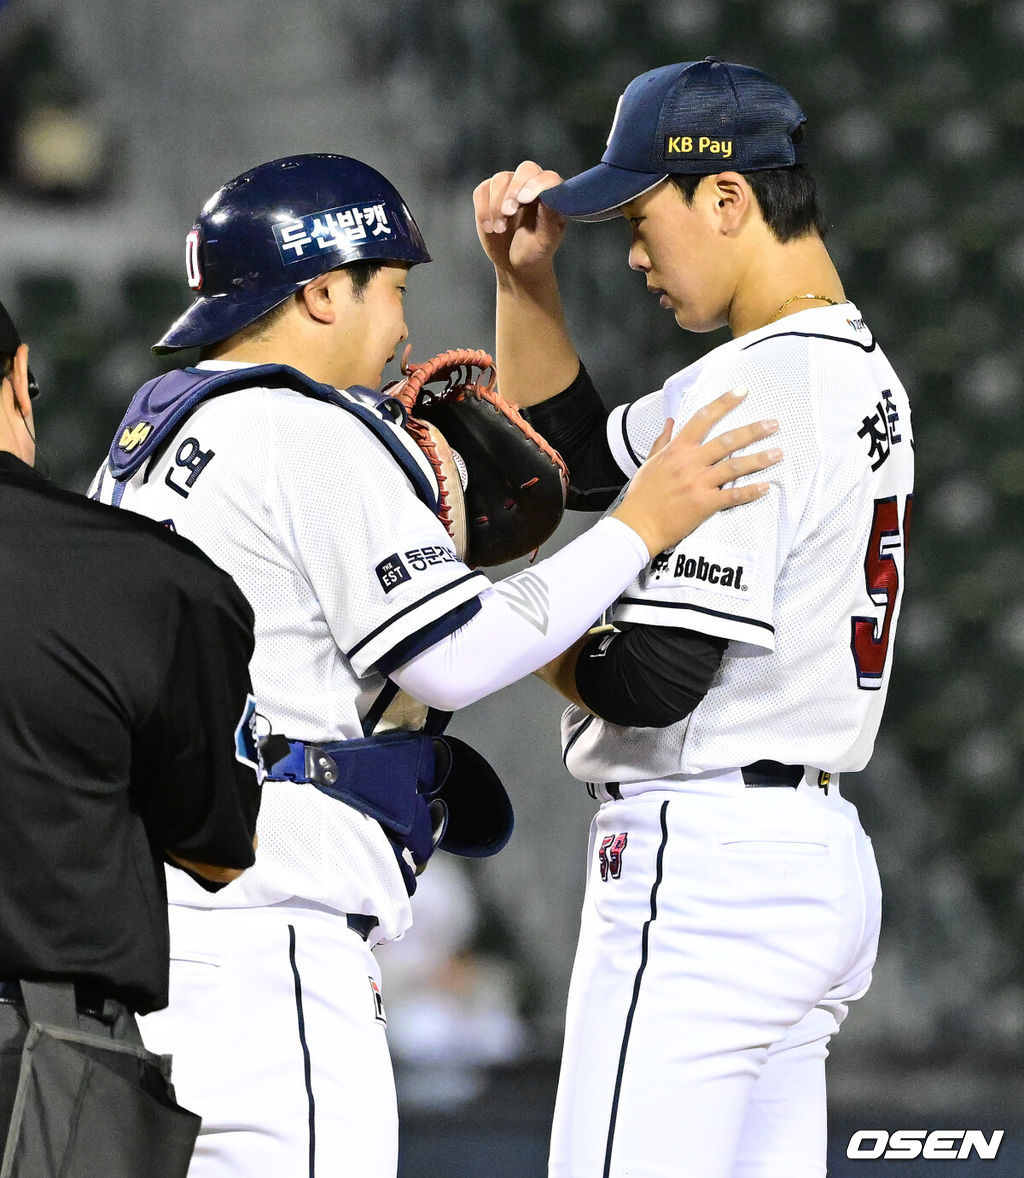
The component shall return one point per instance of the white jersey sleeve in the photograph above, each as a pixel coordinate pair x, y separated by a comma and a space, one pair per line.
378, 559
633, 429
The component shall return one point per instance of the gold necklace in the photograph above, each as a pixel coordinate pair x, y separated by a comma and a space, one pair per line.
793, 299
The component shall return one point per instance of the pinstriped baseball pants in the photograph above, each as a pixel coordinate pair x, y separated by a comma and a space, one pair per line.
710, 974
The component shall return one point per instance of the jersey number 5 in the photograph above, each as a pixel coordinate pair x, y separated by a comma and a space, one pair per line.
869, 640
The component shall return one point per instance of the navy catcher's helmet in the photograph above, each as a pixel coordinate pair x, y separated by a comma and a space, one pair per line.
275, 227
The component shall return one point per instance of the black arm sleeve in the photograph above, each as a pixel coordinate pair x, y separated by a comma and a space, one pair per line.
647, 676
200, 789
573, 421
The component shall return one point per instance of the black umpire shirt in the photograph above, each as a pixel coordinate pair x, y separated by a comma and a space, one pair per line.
125, 732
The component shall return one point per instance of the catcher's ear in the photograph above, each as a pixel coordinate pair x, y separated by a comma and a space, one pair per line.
319, 297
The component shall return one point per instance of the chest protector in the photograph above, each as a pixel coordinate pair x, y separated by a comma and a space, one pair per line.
159, 407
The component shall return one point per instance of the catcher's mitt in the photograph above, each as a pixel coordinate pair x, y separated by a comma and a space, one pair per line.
512, 483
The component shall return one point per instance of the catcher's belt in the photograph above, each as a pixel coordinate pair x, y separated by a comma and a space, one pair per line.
425, 791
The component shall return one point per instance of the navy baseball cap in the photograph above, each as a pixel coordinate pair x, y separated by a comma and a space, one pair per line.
10, 341
691, 118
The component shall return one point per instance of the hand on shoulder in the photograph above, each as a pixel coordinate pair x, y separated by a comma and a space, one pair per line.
687, 480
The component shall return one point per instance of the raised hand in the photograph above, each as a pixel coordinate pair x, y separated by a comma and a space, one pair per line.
517, 232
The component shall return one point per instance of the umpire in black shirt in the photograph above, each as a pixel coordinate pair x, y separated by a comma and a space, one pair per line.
126, 740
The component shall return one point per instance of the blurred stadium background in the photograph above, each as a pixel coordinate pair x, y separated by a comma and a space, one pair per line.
118, 119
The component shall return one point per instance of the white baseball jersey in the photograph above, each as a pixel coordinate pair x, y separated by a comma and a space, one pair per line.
342, 564
805, 583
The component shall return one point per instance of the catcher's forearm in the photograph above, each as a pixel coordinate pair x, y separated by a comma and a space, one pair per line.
527, 620
535, 356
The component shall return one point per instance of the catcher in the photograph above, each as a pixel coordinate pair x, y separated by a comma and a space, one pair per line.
357, 532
